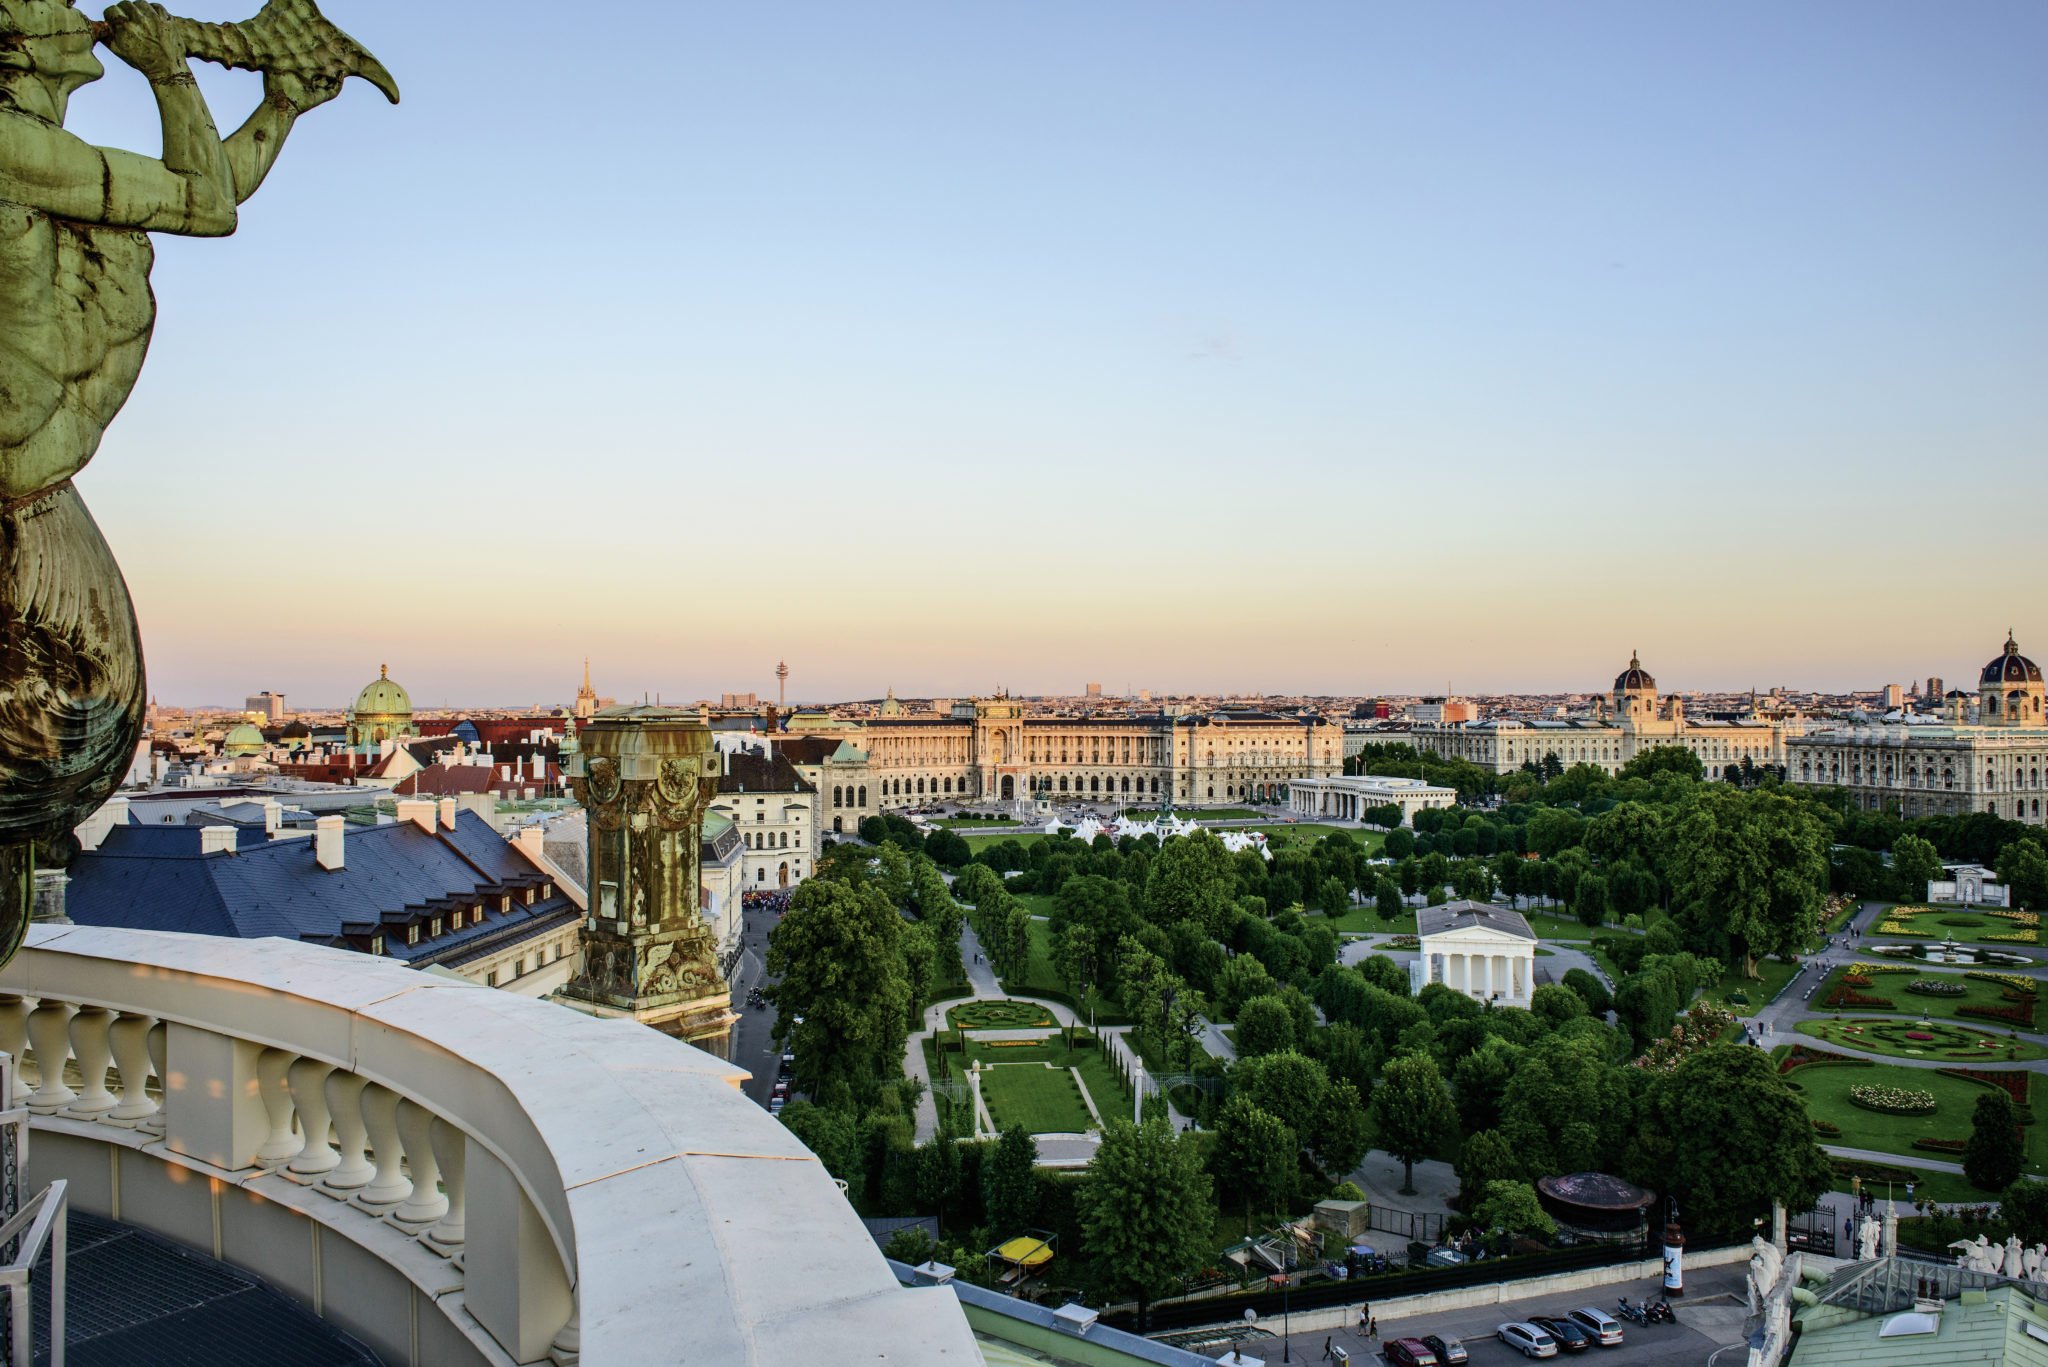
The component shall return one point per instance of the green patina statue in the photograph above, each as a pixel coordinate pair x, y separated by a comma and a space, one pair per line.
75, 319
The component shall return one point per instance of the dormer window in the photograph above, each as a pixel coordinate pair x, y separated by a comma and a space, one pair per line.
412, 933
505, 902
376, 944
435, 930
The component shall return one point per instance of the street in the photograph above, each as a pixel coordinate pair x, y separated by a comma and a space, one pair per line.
752, 1047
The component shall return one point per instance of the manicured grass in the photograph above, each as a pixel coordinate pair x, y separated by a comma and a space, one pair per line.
1366, 920
1041, 981
1308, 833
998, 1015
982, 840
1044, 1100
1568, 929
1892, 988
1946, 1187
1200, 813
1952, 1044
1825, 1091
1969, 927
1776, 973
1037, 903
968, 823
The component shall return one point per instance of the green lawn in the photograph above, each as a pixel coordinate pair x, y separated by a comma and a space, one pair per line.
1366, 920
1946, 1187
1951, 923
982, 840
1959, 1044
1825, 1090
1776, 973
968, 823
1567, 929
1892, 988
1199, 813
1041, 981
1308, 832
1037, 903
1044, 1100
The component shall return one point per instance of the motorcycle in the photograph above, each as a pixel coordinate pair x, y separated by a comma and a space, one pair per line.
1659, 1312
1632, 1313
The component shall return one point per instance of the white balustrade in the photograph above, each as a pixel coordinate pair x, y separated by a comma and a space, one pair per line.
307, 1080
128, 1037
49, 1035
345, 1104
90, 1046
451, 1148
425, 1204
159, 1044
389, 1185
280, 1143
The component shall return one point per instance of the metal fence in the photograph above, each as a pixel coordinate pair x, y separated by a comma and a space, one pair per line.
1321, 1294
1415, 1227
27, 1233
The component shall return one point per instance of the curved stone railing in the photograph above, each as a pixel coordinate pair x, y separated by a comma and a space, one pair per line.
530, 1183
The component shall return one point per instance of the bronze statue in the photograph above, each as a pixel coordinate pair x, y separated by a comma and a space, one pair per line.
75, 318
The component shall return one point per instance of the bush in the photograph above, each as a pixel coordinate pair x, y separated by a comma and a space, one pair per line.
1935, 987
1941, 1145
1827, 1129
2016, 1015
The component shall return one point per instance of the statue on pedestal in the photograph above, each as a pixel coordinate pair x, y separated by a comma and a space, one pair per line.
76, 314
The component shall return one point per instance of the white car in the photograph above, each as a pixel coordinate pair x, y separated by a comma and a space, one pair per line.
1602, 1327
1527, 1339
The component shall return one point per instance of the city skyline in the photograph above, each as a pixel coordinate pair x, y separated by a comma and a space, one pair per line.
1183, 343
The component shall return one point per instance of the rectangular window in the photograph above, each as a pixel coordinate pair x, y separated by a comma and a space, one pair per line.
376, 944
435, 930
491, 978
412, 933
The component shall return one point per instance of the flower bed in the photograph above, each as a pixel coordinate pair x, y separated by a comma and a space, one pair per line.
1827, 1129
1865, 970
2011, 982
1941, 1145
1891, 1100
1799, 1056
1936, 987
2012, 1081
2018, 918
2018, 937
2016, 1015
1919, 1037
1843, 997
1405, 942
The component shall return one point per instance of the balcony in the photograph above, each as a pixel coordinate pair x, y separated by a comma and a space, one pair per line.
451, 1174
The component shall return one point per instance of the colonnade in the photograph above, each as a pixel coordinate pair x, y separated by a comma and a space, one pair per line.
1485, 976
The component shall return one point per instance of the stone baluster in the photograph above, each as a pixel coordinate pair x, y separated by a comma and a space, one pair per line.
307, 1081
49, 1035
345, 1103
93, 1050
425, 1204
128, 1037
567, 1348
451, 1148
159, 1041
380, 1116
281, 1143
14, 1040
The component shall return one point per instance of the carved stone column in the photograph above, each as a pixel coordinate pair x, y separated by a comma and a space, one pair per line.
646, 776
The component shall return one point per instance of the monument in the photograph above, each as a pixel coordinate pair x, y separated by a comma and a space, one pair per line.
645, 777
76, 314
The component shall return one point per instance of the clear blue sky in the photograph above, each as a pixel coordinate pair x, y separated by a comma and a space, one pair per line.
934, 344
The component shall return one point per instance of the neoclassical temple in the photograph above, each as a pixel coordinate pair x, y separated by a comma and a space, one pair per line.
1350, 798
1481, 950
1628, 721
990, 751
1985, 753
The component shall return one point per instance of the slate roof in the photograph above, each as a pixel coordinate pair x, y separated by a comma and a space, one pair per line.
746, 772
157, 878
807, 749
1466, 915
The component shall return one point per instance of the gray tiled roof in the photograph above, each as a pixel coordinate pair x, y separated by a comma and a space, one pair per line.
1463, 915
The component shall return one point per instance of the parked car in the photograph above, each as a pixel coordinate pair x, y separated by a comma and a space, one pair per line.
1409, 1353
1605, 1329
1570, 1338
1527, 1339
788, 1068
1445, 1257
1450, 1352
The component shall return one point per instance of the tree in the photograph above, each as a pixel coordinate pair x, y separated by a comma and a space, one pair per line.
1073, 958
1333, 898
1513, 1207
1664, 759
1241, 979
1145, 1210
837, 957
1553, 830
1399, 845
1412, 1112
1750, 869
948, 848
1915, 864
1481, 1079
832, 1135
1994, 1154
1256, 1156
1567, 1108
920, 956
1724, 1133
1192, 880
1555, 1004
1009, 1182
1384, 973
1590, 989
1486, 1158
1264, 1026
1591, 901
938, 1174
2023, 868
2024, 1206
1327, 1117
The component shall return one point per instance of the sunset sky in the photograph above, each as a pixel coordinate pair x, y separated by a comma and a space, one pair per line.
1318, 347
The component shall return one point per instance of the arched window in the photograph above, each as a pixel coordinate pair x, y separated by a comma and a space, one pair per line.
1094, 785
863, 795
1063, 783
835, 796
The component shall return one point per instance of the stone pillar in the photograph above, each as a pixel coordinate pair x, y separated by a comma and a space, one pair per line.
646, 776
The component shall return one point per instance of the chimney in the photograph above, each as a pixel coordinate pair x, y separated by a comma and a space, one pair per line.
327, 841
273, 817
216, 839
419, 811
447, 813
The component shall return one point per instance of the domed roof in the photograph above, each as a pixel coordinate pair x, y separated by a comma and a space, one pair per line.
243, 740
295, 730
2011, 667
1634, 678
383, 698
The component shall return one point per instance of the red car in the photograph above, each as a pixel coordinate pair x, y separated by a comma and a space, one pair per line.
1409, 1353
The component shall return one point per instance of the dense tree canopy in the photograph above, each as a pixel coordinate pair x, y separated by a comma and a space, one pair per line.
837, 956
1145, 1210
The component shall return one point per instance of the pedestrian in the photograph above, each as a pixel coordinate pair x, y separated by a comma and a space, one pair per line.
1374, 1330
1326, 1349
1364, 1316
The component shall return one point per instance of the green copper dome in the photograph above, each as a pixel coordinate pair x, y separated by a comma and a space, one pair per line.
243, 740
383, 698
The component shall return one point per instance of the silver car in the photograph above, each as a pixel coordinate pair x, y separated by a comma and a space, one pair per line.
1527, 1339
1600, 1326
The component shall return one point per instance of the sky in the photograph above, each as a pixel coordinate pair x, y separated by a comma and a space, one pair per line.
1319, 347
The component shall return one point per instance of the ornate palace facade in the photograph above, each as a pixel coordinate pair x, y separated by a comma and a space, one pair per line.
991, 751
1627, 722
1990, 762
